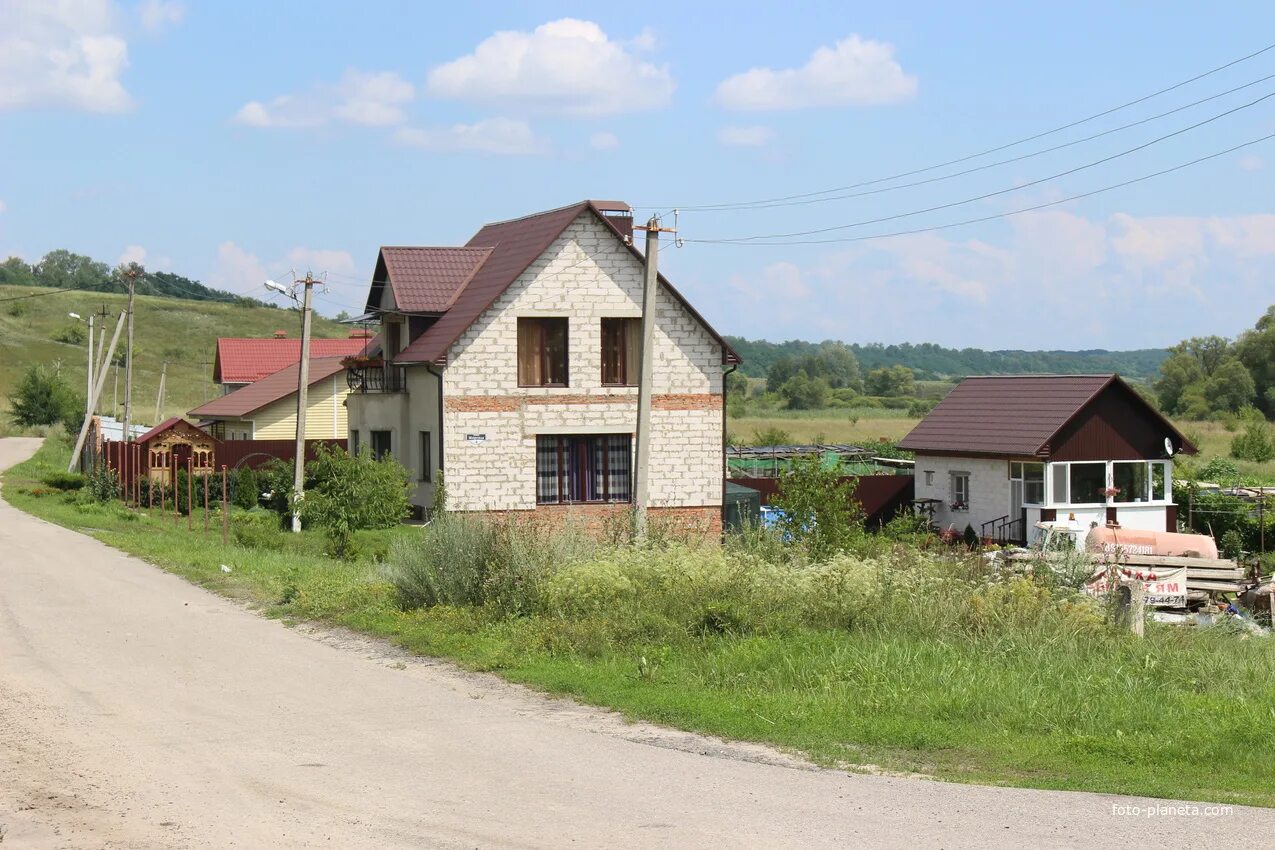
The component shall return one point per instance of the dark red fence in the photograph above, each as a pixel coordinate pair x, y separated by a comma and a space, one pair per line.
129, 459
881, 496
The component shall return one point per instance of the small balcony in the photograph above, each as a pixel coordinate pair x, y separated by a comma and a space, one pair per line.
370, 376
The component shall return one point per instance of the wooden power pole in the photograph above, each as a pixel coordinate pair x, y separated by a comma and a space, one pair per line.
303, 384
130, 275
159, 399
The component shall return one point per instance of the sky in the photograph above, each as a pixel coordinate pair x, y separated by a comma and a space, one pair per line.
233, 142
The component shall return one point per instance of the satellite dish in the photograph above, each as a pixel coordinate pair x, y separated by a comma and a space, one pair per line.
1168, 446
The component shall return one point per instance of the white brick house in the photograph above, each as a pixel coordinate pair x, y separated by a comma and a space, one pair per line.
1000, 454
510, 365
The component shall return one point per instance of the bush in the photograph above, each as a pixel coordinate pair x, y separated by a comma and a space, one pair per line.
72, 334
818, 512
1254, 443
1219, 470
1232, 543
64, 480
245, 492
259, 530
102, 484
345, 493
43, 398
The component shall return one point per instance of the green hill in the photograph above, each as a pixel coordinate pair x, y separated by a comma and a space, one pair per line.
934, 362
182, 332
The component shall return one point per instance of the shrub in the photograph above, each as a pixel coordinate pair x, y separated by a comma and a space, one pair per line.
581, 590
64, 480
18, 309
259, 530
1219, 470
72, 334
102, 484
346, 492
818, 512
1232, 543
1254, 443
43, 398
771, 437
970, 537
245, 492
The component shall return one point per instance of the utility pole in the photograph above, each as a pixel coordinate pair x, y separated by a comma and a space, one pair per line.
159, 400
101, 351
130, 274
303, 385
98, 383
642, 460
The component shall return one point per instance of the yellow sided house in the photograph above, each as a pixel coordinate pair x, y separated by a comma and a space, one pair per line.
267, 409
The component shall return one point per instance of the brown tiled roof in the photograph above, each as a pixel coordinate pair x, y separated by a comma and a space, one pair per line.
1014, 415
427, 280
271, 388
514, 245
244, 360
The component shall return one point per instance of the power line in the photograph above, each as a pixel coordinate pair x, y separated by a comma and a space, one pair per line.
986, 152
1020, 158
981, 219
43, 293
998, 192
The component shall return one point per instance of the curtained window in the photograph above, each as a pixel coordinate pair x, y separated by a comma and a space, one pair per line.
542, 352
621, 344
583, 468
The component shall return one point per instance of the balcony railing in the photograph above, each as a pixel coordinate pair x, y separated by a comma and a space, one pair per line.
377, 379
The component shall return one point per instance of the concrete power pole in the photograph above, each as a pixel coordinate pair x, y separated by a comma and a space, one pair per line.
159, 399
130, 275
303, 384
98, 383
642, 459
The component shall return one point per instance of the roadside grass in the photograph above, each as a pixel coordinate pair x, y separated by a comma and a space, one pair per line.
926, 668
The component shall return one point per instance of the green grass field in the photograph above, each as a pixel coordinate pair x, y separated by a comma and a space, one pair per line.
184, 333
995, 683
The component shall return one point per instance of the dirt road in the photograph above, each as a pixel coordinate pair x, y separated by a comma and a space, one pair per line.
137, 711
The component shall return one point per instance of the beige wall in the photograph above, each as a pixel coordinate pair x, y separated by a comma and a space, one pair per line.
325, 417
404, 415
586, 275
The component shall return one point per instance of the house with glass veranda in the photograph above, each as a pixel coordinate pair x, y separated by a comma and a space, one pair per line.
1002, 453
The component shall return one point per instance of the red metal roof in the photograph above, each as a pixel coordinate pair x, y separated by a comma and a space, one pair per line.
269, 389
159, 429
427, 280
1013, 415
514, 245
242, 361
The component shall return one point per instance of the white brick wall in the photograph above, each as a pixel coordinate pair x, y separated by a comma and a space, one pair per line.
585, 275
989, 488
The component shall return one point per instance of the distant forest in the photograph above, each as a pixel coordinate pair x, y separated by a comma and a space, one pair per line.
61, 269
934, 362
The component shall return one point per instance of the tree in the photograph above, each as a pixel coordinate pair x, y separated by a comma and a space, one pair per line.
1203, 377
43, 398
348, 492
818, 511
1230, 387
1256, 350
1254, 443
804, 393
15, 272
890, 381
779, 373
64, 270
1178, 374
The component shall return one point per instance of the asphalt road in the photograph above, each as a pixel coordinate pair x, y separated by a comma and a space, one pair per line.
138, 711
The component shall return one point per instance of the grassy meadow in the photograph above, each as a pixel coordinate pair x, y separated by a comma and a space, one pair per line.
887, 657
183, 333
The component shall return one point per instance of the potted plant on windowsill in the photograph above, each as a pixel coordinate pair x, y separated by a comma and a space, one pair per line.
959, 506
1110, 492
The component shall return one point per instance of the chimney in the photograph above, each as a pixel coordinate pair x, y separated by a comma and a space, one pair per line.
280, 334
619, 214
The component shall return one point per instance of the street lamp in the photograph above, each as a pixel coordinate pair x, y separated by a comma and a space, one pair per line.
88, 392
303, 383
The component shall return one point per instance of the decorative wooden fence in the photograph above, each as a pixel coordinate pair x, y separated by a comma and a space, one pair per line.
130, 459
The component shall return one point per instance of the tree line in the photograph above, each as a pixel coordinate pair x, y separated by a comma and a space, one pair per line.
62, 269
934, 362
1211, 377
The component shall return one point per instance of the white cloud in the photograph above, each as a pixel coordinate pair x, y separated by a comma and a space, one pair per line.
756, 136
1051, 279
495, 136
1252, 162
567, 67
2, 207
66, 54
132, 254
853, 72
604, 141
375, 99
158, 15
243, 272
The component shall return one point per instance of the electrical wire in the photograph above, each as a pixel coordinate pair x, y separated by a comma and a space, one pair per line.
1015, 188
982, 153
43, 293
995, 216
1000, 162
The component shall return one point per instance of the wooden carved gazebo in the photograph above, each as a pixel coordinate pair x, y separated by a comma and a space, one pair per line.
173, 444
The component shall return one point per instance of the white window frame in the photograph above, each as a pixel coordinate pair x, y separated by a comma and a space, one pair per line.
1063, 468
957, 498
